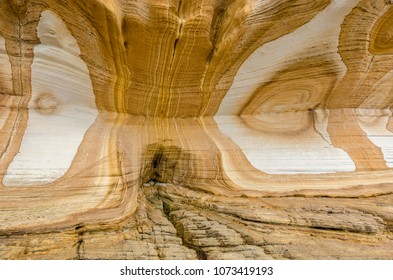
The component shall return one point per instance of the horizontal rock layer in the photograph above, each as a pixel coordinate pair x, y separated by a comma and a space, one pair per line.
198, 129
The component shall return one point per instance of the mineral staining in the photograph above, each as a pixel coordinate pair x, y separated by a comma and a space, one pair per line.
196, 129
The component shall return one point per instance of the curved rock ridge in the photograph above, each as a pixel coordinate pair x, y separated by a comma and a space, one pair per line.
196, 129
6, 82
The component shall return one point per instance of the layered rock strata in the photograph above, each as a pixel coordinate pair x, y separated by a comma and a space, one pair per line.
196, 129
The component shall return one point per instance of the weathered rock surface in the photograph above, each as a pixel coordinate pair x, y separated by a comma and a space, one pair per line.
196, 129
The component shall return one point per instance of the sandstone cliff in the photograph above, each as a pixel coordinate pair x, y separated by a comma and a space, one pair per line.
196, 129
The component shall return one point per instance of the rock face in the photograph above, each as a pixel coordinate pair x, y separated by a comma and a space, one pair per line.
196, 129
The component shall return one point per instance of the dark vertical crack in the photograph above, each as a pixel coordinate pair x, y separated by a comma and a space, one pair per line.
80, 242
215, 28
172, 65
152, 195
312, 116
201, 255
179, 31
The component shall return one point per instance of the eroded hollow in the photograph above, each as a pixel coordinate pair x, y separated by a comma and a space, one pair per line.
165, 162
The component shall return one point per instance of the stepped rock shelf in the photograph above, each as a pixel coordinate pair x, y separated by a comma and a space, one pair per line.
196, 129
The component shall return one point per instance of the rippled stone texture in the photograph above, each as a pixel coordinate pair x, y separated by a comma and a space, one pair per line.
196, 129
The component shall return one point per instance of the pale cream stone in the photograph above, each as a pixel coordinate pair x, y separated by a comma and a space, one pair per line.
61, 109
319, 36
282, 153
374, 122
